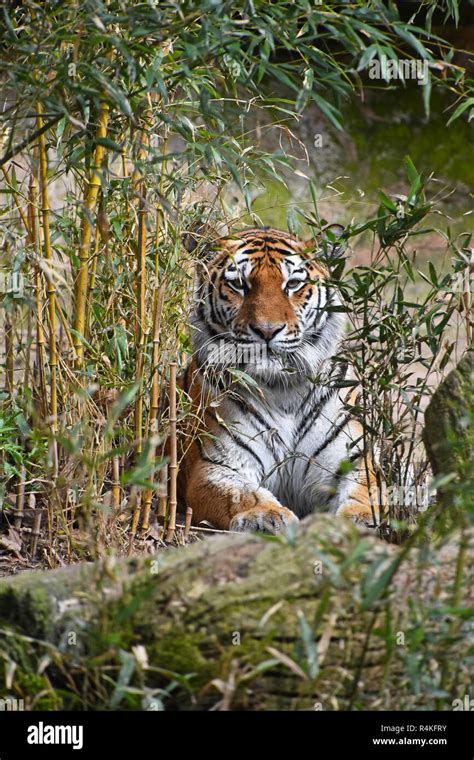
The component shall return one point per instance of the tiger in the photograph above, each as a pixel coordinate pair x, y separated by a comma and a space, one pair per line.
272, 437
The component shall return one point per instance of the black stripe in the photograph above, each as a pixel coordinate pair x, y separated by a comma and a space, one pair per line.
186, 378
249, 410
210, 301
316, 316
249, 251
338, 474
245, 407
312, 389
246, 447
220, 307
331, 389
318, 329
307, 422
330, 439
203, 318
237, 439
353, 458
273, 240
222, 294
205, 458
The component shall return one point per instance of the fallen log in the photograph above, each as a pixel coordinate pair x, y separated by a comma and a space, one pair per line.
331, 618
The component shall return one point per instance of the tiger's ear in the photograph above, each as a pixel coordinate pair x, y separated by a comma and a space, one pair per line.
197, 237
329, 244
204, 240
333, 235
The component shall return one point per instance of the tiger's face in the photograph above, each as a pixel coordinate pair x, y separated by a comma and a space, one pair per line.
264, 303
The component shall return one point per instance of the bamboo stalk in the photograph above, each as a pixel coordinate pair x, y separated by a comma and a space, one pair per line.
35, 533
124, 163
155, 390
27, 221
188, 521
202, 529
40, 339
154, 400
8, 357
51, 290
81, 284
163, 500
152, 425
173, 466
135, 504
456, 601
93, 276
123, 248
116, 488
27, 373
140, 338
20, 497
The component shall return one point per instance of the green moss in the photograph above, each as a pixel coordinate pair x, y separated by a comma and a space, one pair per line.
183, 651
383, 130
33, 687
401, 128
272, 204
28, 609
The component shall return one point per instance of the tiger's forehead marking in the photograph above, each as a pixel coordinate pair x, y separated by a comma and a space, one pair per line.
265, 249
244, 264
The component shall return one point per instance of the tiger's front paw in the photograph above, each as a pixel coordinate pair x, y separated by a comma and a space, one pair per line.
269, 518
359, 515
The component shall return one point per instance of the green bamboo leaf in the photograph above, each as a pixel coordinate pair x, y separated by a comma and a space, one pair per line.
469, 102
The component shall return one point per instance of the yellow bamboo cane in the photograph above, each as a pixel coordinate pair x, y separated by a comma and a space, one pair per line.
141, 282
173, 466
154, 399
81, 284
151, 427
40, 340
8, 329
27, 225
51, 290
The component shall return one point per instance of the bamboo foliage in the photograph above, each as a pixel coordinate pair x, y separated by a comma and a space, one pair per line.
15, 197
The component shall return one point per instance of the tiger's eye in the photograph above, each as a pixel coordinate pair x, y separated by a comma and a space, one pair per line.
239, 286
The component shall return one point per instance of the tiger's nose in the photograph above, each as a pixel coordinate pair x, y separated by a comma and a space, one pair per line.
267, 332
